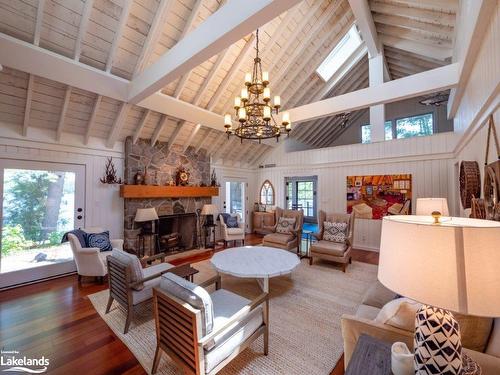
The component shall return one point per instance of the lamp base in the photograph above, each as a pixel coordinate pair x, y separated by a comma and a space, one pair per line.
438, 349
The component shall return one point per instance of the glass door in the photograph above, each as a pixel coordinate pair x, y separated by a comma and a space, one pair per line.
301, 194
235, 198
40, 202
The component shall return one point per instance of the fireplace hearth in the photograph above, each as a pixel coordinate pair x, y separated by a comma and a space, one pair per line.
178, 232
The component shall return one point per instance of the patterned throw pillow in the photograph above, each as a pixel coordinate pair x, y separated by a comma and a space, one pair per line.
100, 240
335, 232
285, 225
232, 222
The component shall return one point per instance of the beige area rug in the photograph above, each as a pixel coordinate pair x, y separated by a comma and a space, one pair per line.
305, 311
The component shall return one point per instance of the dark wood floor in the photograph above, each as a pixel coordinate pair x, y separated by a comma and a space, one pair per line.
56, 319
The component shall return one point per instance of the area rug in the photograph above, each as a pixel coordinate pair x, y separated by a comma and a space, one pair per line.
305, 311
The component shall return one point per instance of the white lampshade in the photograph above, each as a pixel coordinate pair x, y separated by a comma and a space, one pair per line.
146, 214
453, 265
209, 209
425, 206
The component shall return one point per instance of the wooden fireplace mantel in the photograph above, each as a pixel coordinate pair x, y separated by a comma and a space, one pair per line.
150, 191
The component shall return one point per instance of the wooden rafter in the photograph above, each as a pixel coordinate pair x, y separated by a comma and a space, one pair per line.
62, 116
434, 52
39, 21
181, 125
140, 127
82, 30
424, 15
208, 80
118, 124
27, 108
190, 139
338, 131
92, 118
364, 20
118, 34
162, 124
203, 139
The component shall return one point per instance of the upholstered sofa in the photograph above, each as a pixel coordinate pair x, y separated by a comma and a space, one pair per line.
286, 241
480, 336
339, 252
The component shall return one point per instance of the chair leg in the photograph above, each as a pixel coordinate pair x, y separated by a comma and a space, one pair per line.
266, 341
156, 360
243, 242
110, 302
350, 260
344, 266
225, 244
310, 261
129, 319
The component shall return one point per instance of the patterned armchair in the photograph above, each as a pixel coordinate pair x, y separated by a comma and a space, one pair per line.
292, 238
232, 234
339, 252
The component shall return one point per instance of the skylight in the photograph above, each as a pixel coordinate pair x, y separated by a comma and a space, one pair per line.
339, 55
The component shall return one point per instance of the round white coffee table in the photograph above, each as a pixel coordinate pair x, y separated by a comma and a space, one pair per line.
257, 262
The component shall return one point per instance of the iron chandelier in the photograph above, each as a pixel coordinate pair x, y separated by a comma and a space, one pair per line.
253, 108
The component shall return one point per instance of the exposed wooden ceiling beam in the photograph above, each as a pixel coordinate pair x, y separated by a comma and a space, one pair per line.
114, 134
204, 138
190, 139
93, 115
218, 142
175, 134
39, 21
217, 155
226, 26
118, 34
443, 6
153, 35
160, 128
62, 116
138, 130
435, 52
82, 30
365, 23
425, 62
419, 84
27, 108
208, 80
422, 36
446, 32
296, 98
423, 15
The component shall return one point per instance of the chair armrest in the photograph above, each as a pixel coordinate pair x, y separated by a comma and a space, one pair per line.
213, 280
353, 327
318, 235
272, 228
89, 250
151, 277
117, 243
152, 258
264, 297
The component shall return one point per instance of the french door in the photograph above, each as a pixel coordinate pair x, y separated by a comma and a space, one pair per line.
40, 202
301, 194
235, 198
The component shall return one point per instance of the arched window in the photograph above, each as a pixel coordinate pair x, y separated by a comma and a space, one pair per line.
267, 193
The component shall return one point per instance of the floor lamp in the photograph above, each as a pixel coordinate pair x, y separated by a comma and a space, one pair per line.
449, 265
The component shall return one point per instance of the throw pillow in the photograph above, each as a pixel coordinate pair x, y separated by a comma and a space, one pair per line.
285, 225
232, 222
334, 232
134, 263
100, 240
192, 294
399, 313
474, 331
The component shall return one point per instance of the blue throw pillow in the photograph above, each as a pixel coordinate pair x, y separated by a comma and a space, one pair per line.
100, 240
232, 222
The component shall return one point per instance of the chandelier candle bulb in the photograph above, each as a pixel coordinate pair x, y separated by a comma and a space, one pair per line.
227, 121
248, 79
244, 94
242, 114
285, 118
237, 103
265, 78
277, 101
267, 94
267, 113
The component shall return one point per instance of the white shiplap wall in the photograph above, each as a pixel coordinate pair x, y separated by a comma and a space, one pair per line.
428, 159
103, 206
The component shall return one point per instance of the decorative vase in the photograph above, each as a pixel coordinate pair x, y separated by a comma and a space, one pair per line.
438, 349
401, 359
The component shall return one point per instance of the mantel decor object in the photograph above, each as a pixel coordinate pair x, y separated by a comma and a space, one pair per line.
448, 265
182, 176
110, 174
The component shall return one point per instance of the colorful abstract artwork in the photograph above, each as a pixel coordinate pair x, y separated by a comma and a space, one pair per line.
373, 197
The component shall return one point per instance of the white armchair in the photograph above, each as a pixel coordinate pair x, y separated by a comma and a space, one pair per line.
232, 234
90, 261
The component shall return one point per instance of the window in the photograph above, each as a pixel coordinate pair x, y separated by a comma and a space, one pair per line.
267, 193
414, 126
366, 132
339, 55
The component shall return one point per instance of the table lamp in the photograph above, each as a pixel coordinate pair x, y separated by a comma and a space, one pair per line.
448, 266
148, 216
209, 210
426, 206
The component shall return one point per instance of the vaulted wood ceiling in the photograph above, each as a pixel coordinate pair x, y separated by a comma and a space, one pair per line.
123, 37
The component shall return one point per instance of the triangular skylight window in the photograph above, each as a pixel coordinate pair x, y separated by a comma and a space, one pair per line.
339, 55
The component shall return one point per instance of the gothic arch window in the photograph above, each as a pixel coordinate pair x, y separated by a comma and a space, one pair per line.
267, 193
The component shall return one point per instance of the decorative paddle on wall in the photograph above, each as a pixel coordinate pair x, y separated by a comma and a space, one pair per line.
491, 185
110, 174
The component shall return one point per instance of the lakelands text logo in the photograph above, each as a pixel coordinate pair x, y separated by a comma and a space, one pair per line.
14, 362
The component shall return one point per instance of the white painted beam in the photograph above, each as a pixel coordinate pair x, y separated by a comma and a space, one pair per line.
159, 129
43, 63
366, 26
208, 80
82, 30
90, 124
195, 131
153, 35
377, 112
118, 125
419, 84
177, 131
226, 26
27, 108
39, 21
118, 34
434, 52
62, 116
203, 139
138, 130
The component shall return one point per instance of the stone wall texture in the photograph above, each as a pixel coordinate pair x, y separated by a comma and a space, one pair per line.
159, 163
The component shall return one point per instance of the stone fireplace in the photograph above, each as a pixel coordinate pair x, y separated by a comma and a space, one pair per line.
178, 216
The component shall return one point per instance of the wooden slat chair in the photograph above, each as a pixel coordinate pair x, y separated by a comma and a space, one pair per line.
202, 333
129, 283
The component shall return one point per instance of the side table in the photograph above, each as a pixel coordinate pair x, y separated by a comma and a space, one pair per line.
185, 271
301, 254
370, 356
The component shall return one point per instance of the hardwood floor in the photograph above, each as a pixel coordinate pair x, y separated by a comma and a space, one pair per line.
56, 319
